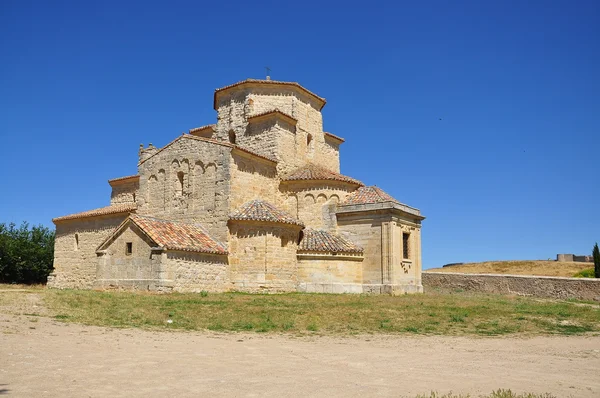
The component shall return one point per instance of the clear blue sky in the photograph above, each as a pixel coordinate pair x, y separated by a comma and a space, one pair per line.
511, 171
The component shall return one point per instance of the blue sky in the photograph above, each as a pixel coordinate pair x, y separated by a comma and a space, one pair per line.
483, 114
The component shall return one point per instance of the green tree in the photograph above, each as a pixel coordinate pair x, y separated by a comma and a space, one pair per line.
596, 255
26, 254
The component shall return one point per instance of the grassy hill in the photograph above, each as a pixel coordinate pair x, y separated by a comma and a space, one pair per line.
528, 267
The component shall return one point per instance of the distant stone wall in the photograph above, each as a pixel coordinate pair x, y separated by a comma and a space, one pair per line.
536, 286
574, 258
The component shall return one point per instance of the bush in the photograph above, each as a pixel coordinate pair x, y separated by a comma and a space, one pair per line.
26, 254
596, 255
586, 273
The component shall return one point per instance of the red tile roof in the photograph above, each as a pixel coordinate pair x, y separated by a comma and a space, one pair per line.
334, 136
175, 235
273, 82
103, 211
364, 195
124, 179
259, 210
273, 112
313, 172
201, 128
323, 241
270, 159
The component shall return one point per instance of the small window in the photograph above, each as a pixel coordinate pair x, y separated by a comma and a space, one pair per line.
405, 246
76, 242
231, 136
250, 105
180, 183
129, 248
310, 144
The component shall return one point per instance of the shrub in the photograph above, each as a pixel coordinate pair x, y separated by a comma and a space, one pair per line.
26, 254
585, 273
596, 255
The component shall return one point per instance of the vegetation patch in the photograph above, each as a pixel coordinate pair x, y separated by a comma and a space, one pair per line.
432, 313
495, 394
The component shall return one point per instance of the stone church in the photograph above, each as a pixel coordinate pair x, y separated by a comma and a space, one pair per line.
253, 203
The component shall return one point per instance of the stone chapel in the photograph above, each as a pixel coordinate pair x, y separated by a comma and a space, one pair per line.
253, 203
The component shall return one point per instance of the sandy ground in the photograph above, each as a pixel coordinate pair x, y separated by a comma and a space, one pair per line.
42, 357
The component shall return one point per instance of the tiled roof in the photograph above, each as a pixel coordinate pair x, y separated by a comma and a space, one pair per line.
123, 179
174, 235
274, 82
270, 159
103, 211
314, 172
199, 129
258, 210
364, 195
274, 112
334, 136
322, 241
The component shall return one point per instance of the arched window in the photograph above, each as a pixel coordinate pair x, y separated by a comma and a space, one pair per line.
250, 105
310, 144
231, 136
180, 183
76, 245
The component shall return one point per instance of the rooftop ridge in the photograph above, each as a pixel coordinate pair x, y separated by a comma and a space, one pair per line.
313, 172
178, 235
271, 82
322, 241
101, 211
260, 210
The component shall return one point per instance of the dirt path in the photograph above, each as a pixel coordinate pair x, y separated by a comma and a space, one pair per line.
51, 359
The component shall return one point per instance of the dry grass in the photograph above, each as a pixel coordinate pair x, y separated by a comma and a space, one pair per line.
433, 313
530, 267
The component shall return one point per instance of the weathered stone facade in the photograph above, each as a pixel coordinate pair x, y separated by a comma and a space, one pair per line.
254, 203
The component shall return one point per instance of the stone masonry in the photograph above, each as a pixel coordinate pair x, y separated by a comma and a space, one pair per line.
253, 203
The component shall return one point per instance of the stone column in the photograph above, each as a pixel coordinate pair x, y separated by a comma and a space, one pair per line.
388, 255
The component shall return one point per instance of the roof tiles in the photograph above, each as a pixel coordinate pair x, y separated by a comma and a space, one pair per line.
364, 195
102, 211
313, 172
323, 241
259, 210
174, 235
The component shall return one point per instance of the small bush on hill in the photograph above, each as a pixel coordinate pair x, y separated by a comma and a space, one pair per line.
26, 254
586, 273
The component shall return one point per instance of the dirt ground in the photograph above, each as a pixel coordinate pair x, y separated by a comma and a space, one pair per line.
42, 357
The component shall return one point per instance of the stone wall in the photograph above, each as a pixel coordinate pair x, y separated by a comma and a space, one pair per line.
189, 180
380, 234
574, 258
235, 107
195, 272
329, 269
251, 179
124, 192
263, 257
536, 286
141, 269
314, 202
75, 250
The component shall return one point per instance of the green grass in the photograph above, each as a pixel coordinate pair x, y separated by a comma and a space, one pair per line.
495, 394
586, 273
432, 313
